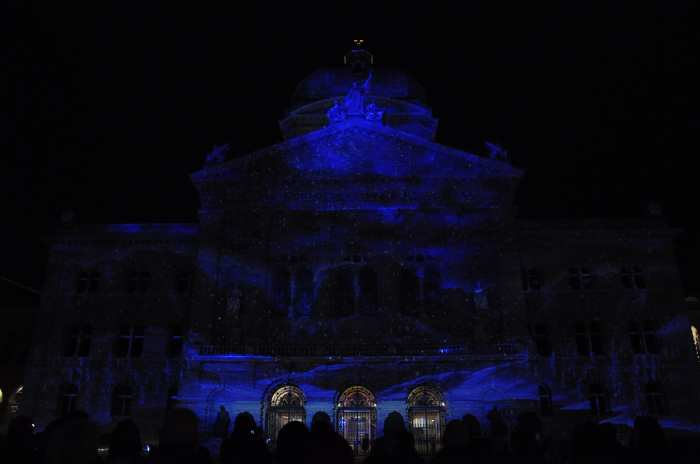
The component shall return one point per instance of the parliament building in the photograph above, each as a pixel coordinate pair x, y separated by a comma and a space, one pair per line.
358, 268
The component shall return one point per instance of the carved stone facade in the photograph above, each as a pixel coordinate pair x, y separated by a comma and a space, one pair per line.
360, 253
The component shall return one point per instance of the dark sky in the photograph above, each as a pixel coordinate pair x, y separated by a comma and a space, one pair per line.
112, 106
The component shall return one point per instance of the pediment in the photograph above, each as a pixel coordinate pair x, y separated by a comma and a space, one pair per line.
357, 147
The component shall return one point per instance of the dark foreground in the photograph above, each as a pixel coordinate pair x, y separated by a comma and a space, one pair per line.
74, 440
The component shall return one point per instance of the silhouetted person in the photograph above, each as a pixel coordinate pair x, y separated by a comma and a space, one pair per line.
478, 445
586, 443
455, 444
648, 440
526, 440
222, 423
498, 434
325, 445
72, 441
125, 444
246, 443
20, 441
179, 440
292, 441
396, 446
611, 449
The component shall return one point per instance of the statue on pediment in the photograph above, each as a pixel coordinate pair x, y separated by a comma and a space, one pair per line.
337, 112
355, 103
496, 151
217, 154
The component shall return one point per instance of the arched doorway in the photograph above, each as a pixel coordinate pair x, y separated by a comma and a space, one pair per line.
286, 405
426, 418
356, 418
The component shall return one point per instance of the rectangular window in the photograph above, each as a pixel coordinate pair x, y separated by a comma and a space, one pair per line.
632, 277
643, 337
129, 343
121, 402
590, 338
138, 282
580, 278
582, 345
78, 341
175, 342
532, 280
542, 340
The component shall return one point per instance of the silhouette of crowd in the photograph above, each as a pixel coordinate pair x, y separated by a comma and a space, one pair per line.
74, 440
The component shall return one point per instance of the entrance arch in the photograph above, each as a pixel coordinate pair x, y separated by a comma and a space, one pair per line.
426, 418
356, 418
286, 404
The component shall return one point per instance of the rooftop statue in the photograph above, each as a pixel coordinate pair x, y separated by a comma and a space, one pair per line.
355, 103
217, 154
496, 152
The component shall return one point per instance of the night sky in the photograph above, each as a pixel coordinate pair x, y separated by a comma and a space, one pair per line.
111, 107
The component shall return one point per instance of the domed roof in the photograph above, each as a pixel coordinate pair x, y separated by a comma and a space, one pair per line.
335, 82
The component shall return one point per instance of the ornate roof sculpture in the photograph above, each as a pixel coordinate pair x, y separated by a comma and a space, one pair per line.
359, 90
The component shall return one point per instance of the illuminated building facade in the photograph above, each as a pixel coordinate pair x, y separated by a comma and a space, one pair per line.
358, 268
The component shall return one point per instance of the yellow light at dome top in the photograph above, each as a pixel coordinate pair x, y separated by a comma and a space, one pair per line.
0, 396
696, 340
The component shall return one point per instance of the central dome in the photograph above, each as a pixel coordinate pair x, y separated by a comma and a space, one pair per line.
335, 82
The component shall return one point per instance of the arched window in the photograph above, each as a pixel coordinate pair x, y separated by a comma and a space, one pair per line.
655, 399
303, 292
409, 286
426, 418
281, 291
356, 418
598, 397
286, 405
369, 293
67, 400
545, 396
121, 401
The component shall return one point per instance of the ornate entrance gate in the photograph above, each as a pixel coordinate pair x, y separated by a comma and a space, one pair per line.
356, 418
426, 418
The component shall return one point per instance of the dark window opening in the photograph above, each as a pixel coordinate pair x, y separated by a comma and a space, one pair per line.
655, 399
408, 291
138, 282
598, 398
303, 291
369, 290
633, 277
87, 282
121, 401
78, 341
281, 291
531, 280
643, 338
129, 343
543, 343
345, 292
432, 286
582, 346
67, 400
597, 336
580, 278
545, 397
590, 338
183, 283
172, 400
175, 342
